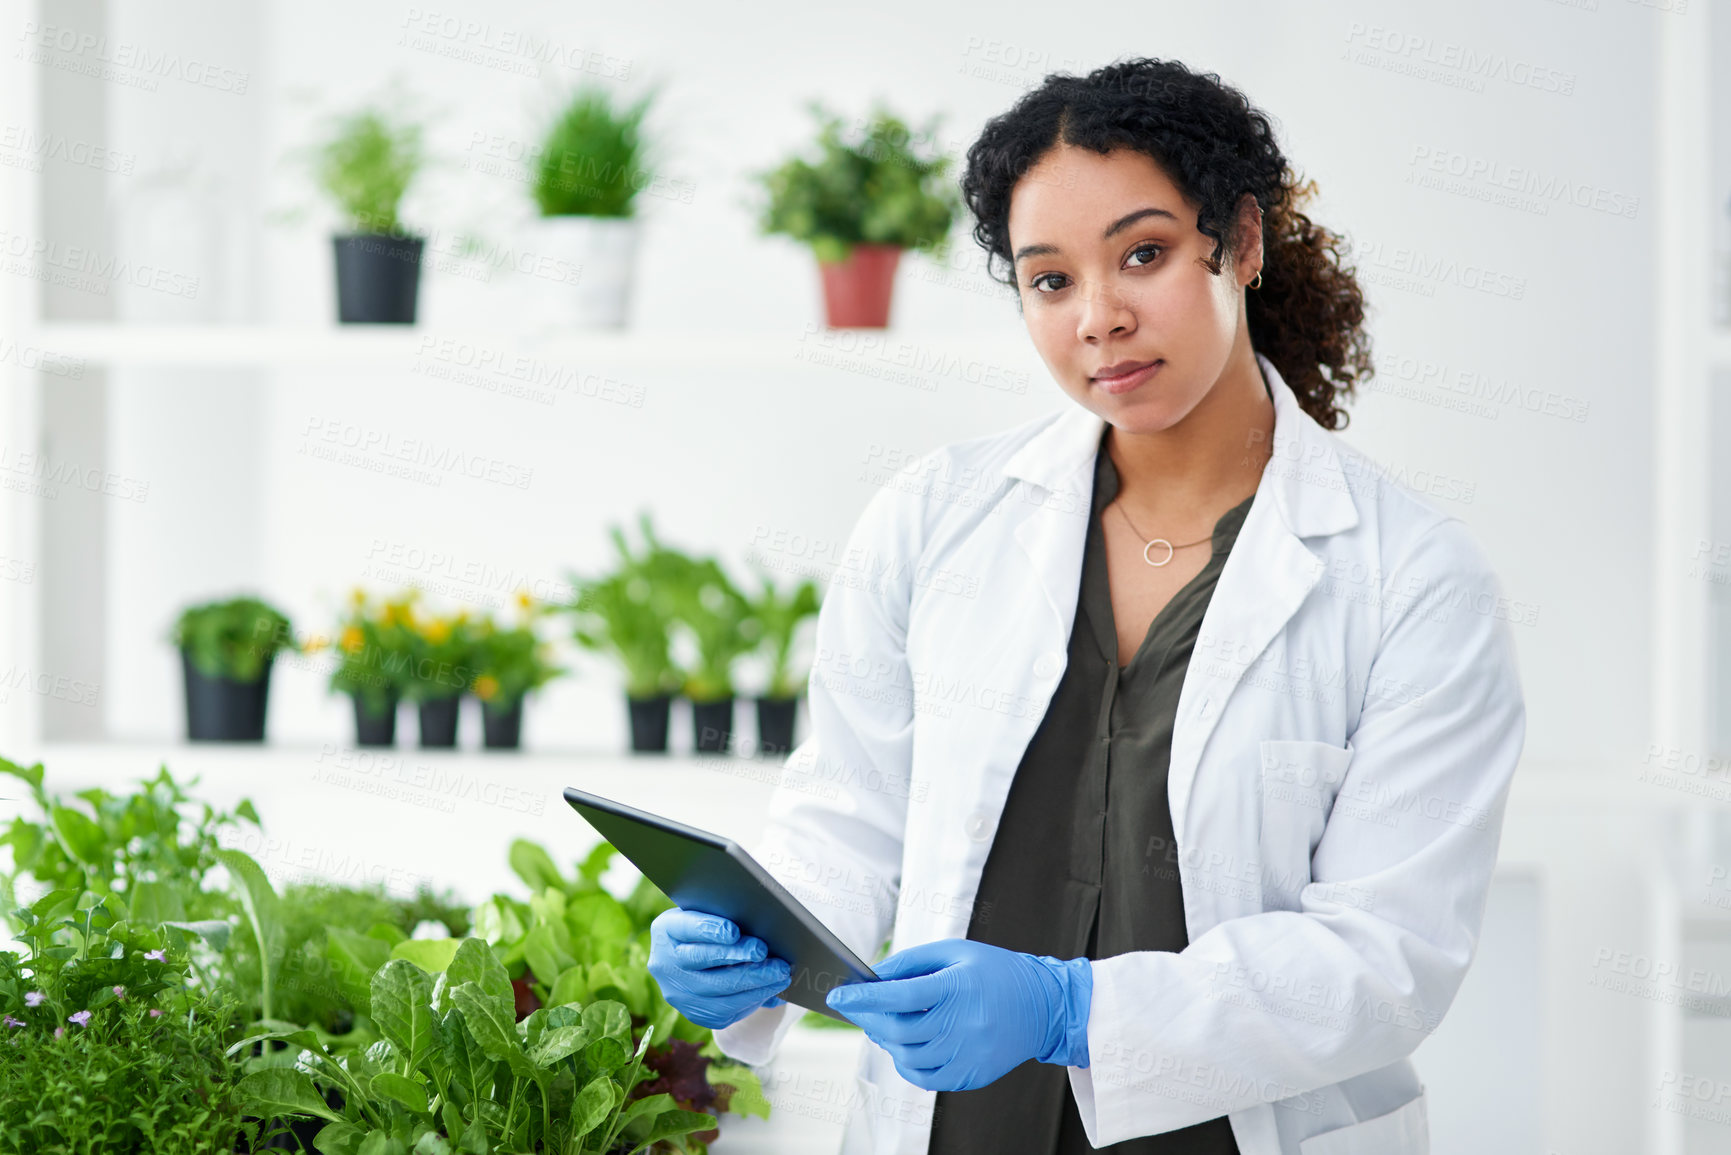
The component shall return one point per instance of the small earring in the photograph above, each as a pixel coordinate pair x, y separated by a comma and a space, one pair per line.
1256, 281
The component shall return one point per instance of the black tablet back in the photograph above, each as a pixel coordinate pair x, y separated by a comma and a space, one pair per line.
703, 871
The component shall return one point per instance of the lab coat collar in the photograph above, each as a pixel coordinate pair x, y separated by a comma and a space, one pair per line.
1305, 474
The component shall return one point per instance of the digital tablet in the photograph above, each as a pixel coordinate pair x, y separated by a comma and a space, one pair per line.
703, 871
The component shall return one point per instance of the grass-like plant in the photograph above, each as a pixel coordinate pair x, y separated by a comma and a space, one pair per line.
627, 613
367, 164
592, 159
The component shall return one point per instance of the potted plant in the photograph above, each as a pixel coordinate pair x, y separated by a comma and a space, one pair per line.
441, 670
509, 662
858, 206
374, 654
719, 620
779, 618
226, 650
366, 165
626, 614
585, 178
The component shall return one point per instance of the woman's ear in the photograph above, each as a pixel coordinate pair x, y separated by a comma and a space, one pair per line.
1249, 235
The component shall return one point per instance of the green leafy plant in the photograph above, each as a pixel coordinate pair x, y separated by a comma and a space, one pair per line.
151, 849
511, 660
718, 617
573, 941
455, 1064
592, 159
311, 985
106, 1044
367, 163
233, 638
626, 613
779, 618
868, 187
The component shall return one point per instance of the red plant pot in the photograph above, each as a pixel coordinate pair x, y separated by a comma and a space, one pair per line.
856, 292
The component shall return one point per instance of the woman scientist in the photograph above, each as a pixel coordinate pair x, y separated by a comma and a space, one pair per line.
1179, 805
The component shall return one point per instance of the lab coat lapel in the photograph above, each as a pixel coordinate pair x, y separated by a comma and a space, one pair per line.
1268, 575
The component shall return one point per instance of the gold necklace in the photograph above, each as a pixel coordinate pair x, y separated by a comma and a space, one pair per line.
1170, 548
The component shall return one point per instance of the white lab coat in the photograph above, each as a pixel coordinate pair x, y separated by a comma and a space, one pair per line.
1345, 736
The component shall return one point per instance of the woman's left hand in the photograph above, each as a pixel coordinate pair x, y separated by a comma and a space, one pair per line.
958, 1014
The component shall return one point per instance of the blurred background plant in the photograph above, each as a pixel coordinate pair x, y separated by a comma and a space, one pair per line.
232, 638
867, 186
593, 159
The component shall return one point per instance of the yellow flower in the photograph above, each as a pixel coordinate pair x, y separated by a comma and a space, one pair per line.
438, 630
353, 639
316, 643
486, 686
524, 601
358, 596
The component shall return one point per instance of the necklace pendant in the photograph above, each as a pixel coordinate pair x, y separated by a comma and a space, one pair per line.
1155, 542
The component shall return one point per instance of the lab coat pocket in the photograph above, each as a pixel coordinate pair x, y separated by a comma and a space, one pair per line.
1300, 778
1402, 1131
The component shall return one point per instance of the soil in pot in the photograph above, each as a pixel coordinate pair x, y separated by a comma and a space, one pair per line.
221, 709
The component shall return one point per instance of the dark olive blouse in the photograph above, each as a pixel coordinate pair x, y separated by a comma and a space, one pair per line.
1084, 862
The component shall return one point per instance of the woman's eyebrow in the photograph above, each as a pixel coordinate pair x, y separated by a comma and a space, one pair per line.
1112, 229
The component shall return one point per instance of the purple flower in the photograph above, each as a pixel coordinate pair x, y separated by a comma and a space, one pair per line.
58, 1031
82, 1018
155, 954
155, 1012
33, 998
119, 992
12, 1022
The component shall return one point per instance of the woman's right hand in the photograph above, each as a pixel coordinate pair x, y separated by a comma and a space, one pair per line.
708, 972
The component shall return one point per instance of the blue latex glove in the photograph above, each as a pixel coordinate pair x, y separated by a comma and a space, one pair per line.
958, 1014
708, 973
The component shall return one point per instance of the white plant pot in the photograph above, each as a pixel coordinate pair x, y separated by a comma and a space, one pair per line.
581, 273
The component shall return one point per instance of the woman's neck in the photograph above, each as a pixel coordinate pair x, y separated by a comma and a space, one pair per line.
1210, 461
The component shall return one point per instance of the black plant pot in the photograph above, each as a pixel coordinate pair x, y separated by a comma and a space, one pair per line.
375, 729
502, 727
712, 725
222, 709
378, 278
775, 724
439, 722
649, 723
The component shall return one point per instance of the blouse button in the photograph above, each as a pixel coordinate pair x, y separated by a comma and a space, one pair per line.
1047, 665
976, 826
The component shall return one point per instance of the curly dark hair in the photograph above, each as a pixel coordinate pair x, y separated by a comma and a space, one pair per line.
1308, 313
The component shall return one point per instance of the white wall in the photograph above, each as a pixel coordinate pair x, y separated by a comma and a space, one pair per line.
1562, 506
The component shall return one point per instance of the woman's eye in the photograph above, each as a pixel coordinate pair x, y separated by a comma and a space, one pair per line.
1152, 250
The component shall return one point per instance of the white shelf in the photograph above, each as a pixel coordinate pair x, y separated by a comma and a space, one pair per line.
407, 347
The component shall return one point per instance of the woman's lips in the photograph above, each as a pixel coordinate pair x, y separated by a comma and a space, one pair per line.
1129, 380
